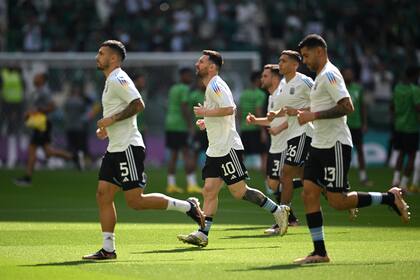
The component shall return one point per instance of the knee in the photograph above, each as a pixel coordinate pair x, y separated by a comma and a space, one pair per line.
102, 197
134, 203
209, 193
237, 193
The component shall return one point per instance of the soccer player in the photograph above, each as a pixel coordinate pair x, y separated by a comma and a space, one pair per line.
294, 93
357, 122
178, 124
224, 153
122, 166
330, 152
270, 81
252, 101
405, 106
37, 119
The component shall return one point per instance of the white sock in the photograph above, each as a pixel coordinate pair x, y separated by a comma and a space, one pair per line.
171, 179
191, 179
396, 178
178, 205
404, 182
362, 175
109, 241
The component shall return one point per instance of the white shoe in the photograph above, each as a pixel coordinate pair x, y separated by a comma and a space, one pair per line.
196, 238
281, 215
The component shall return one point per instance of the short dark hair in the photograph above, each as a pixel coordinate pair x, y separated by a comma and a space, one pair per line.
117, 46
274, 68
255, 75
214, 57
312, 41
292, 54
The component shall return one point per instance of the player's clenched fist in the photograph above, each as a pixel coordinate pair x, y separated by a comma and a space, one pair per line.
200, 123
101, 133
250, 119
305, 117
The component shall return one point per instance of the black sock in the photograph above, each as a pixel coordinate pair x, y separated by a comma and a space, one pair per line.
315, 224
388, 198
277, 195
297, 183
363, 199
208, 222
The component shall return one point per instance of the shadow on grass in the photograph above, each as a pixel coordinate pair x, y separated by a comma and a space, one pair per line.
197, 249
244, 228
179, 250
71, 263
297, 266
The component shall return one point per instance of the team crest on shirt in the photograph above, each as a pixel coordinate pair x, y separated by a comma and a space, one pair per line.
292, 91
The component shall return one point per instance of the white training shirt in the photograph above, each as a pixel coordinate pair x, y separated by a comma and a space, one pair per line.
279, 141
295, 94
221, 131
119, 91
329, 88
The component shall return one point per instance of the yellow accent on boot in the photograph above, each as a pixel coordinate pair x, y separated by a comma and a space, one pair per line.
174, 189
194, 189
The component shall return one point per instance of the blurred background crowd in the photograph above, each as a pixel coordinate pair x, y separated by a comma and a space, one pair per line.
377, 39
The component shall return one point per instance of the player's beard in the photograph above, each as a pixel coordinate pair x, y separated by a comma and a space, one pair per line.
201, 74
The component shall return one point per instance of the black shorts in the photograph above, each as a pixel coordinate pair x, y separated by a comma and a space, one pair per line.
275, 163
77, 141
297, 150
175, 140
40, 138
328, 168
229, 167
356, 136
406, 142
124, 169
252, 142
200, 141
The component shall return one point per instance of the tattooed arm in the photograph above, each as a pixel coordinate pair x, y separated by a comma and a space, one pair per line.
343, 107
135, 106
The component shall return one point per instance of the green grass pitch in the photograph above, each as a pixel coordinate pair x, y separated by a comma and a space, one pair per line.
45, 229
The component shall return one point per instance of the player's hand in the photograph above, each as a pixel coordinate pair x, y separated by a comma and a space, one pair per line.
101, 133
105, 122
290, 111
200, 123
271, 116
305, 117
250, 119
199, 110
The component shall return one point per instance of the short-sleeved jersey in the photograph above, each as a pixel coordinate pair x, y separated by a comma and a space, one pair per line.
354, 120
328, 89
405, 99
279, 141
221, 131
196, 96
295, 94
119, 91
175, 121
250, 100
